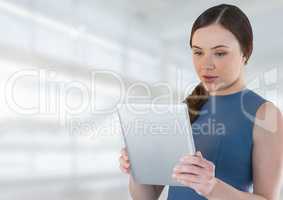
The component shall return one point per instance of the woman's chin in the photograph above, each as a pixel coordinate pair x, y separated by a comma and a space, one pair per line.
211, 87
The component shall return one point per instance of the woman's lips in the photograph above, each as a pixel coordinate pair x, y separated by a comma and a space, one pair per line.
210, 79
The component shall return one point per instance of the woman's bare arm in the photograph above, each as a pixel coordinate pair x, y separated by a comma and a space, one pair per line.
268, 152
267, 159
141, 192
138, 191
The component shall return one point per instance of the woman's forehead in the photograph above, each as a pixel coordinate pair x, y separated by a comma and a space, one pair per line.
214, 35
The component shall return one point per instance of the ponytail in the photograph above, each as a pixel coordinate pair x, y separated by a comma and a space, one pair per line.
196, 100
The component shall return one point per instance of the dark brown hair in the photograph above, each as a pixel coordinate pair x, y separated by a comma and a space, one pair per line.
233, 19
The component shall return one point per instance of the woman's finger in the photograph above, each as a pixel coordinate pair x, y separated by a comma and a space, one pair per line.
191, 169
124, 153
199, 154
126, 157
188, 169
125, 170
123, 161
188, 177
197, 160
124, 165
194, 160
209, 165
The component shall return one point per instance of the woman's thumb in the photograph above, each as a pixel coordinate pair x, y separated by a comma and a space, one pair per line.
199, 154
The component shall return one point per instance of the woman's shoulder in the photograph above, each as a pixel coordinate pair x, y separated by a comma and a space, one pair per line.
266, 109
250, 102
253, 95
269, 117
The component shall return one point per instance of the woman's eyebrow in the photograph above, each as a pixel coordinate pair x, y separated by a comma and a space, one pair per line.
218, 46
194, 46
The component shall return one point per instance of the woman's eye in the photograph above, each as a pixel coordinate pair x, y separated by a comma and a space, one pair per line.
197, 53
220, 54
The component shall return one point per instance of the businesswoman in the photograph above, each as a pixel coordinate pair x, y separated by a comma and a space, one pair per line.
243, 159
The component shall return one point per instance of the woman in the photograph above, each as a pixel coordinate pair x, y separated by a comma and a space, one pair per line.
248, 149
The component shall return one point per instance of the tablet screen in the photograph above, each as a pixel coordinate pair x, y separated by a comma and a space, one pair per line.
156, 136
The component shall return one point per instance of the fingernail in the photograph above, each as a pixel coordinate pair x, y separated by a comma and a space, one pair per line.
199, 154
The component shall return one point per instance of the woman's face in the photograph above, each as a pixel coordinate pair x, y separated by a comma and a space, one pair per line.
217, 57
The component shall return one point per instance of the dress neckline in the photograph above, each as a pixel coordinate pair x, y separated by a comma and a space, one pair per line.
230, 95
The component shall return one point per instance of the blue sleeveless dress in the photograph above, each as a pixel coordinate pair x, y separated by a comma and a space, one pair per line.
224, 134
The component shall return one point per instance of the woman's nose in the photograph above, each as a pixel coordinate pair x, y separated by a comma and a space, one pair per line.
208, 63
209, 66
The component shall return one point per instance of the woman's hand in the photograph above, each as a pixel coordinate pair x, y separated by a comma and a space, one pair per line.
197, 173
124, 161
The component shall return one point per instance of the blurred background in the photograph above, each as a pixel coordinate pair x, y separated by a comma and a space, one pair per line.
64, 65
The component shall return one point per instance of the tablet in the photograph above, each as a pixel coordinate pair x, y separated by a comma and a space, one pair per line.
156, 136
